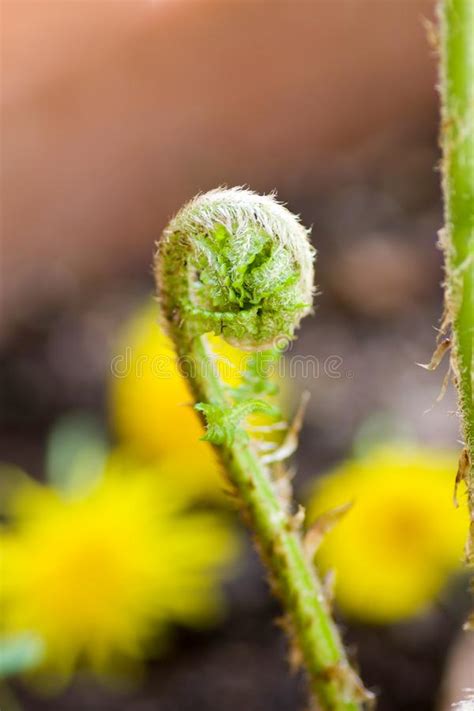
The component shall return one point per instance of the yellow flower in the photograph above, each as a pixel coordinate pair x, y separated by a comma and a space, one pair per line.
99, 576
394, 549
152, 409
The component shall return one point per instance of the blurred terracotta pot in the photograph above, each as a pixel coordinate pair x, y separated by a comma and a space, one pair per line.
116, 112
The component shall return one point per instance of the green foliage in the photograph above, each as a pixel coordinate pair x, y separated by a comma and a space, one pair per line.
76, 453
224, 423
258, 377
19, 653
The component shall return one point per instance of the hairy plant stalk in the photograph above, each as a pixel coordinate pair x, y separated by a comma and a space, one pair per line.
457, 139
240, 265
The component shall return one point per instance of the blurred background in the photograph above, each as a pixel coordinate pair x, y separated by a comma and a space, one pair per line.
113, 114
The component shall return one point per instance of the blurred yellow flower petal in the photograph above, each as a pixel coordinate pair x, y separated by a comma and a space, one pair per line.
395, 548
97, 577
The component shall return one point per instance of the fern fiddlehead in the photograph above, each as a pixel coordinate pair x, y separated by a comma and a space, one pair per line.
240, 265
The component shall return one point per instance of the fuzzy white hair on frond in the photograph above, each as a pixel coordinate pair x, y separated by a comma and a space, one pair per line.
239, 209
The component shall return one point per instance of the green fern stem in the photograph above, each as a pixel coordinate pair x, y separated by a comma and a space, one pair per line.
195, 258
457, 139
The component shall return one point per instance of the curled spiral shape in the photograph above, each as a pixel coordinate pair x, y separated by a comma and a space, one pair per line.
236, 264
